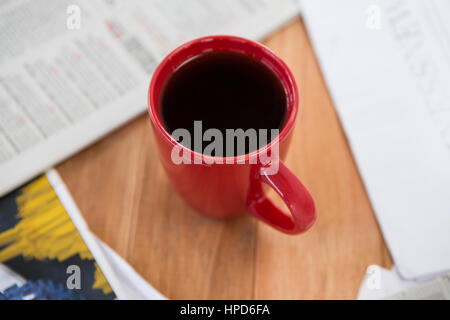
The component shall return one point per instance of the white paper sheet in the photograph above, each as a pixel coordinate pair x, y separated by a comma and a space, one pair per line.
387, 66
125, 282
9, 278
133, 286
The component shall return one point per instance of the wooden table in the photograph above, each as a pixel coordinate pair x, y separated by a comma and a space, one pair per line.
123, 192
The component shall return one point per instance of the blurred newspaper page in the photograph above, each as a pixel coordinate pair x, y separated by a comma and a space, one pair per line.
73, 70
387, 66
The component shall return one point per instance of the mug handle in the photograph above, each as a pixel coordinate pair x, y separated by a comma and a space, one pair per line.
291, 190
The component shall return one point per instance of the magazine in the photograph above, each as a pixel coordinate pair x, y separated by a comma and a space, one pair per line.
42, 253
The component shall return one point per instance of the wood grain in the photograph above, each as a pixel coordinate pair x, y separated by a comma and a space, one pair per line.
123, 192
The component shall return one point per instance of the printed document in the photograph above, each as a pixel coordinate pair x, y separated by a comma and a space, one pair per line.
387, 66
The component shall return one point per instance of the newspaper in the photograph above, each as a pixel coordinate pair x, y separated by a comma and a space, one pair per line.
383, 284
73, 70
387, 66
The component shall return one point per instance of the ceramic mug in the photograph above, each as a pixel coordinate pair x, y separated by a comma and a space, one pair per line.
225, 189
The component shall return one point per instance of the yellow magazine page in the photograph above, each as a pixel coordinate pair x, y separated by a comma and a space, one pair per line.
42, 254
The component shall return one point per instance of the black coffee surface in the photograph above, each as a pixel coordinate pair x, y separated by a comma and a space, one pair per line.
224, 90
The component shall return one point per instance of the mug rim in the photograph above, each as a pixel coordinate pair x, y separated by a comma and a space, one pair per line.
292, 97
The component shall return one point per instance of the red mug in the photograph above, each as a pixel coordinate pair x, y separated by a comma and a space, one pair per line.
229, 189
